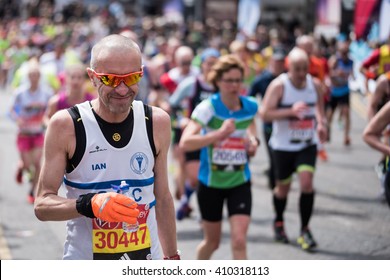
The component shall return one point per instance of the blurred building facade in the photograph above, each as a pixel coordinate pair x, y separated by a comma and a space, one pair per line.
325, 16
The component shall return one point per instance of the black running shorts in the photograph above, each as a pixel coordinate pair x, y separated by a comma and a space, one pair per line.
192, 156
211, 200
286, 163
339, 100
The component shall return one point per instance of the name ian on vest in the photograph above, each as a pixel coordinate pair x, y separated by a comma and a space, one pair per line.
99, 166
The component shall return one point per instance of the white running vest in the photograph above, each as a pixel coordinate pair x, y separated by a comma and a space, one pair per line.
293, 134
101, 168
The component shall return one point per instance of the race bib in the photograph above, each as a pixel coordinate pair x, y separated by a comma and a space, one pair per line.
230, 151
301, 130
33, 124
110, 241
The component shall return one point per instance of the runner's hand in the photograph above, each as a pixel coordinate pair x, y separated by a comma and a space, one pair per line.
299, 109
114, 207
252, 143
227, 128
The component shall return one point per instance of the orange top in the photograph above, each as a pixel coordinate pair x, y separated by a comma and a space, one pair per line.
317, 68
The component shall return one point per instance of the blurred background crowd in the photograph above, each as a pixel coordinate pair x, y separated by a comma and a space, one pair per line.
67, 28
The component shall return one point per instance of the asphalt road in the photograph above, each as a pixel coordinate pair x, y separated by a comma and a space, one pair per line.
349, 221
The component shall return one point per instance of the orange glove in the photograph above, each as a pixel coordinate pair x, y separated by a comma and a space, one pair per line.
114, 207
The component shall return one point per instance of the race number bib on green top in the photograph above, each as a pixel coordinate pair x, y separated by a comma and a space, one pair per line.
230, 151
110, 240
301, 130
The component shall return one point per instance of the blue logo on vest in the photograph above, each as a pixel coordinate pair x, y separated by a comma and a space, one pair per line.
139, 162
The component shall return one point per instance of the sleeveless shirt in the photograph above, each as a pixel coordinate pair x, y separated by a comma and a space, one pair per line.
293, 134
224, 164
101, 168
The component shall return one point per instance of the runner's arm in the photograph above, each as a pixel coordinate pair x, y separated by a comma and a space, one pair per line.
373, 131
322, 123
165, 212
60, 139
377, 97
191, 140
269, 110
184, 90
51, 109
254, 141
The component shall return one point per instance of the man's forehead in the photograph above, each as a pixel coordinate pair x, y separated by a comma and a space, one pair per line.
117, 56
299, 64
301, 61
113, 51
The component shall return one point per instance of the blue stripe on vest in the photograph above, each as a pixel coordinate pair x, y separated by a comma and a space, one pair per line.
152, 204
108, 184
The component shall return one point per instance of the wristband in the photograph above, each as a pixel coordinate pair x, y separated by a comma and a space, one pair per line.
174, 257
324, 123
84, 205
255, 139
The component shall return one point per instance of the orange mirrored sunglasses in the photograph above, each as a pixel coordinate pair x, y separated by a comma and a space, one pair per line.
114, 80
